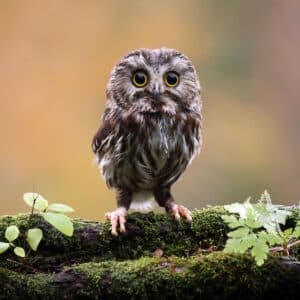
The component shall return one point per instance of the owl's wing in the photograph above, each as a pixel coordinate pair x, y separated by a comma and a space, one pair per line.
101, 137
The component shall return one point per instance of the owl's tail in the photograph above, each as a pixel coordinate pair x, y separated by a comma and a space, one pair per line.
142, 201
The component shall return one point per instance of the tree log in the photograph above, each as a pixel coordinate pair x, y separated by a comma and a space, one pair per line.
189, 264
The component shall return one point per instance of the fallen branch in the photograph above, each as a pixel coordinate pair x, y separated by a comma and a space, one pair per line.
92, 264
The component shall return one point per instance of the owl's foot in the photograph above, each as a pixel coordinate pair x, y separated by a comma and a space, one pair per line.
117, 218
178, 211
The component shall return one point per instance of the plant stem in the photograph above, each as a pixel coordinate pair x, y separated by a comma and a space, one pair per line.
277, 249
30, 217
285, 248
293, 244
22, 264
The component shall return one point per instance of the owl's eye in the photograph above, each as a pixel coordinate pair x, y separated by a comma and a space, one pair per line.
171, 79
140, 78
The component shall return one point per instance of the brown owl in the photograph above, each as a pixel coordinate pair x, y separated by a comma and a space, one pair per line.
150, 131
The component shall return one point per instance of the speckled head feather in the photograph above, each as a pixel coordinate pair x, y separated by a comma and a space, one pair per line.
155, 63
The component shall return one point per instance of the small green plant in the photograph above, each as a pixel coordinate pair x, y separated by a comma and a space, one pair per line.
256, 228
54, 214
12, 233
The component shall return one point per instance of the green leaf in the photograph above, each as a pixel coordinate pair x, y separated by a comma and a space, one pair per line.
270, 216
260, 251
34, 236
232, 221
265, 198
236, 208
252, 222
60, 222
271, 227
281, 215
36, 200
11, 233
60, 208
19, 251
239, 233
271, 238
232, 246
247, 242
241, 209
296, 233
3, 247
287, 234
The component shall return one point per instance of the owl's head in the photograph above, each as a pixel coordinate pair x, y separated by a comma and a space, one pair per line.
155, 80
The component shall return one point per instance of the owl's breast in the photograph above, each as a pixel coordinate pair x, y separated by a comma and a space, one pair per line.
150, 155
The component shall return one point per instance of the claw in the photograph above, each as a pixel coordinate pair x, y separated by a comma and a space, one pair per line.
117, 218
178, 211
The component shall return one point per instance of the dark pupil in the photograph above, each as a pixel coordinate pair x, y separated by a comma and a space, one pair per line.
140, 78
172, 78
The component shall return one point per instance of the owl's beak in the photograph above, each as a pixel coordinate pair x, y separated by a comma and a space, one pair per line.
156, 93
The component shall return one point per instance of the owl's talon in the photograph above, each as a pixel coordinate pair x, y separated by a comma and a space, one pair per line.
176, 215
122, 222
185, 212
178, 211
117, 218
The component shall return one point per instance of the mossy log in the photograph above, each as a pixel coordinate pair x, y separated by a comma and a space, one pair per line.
93, 264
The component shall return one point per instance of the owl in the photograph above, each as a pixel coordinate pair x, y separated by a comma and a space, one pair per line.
150, 131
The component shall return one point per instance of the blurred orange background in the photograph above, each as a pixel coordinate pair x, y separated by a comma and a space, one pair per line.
55, 59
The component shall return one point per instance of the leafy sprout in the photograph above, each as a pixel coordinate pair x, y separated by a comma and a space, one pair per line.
11, 234
256, 228
54, 214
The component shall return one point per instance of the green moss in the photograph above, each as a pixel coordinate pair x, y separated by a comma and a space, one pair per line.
208, 277
19, 286
145, 233
55, 248
53, 239
214, 276
208, 226
40, 286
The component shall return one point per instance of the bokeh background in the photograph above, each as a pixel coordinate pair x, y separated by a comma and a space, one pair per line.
55, 59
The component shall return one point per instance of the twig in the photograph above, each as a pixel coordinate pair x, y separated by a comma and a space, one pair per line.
32, 208
23, 265
277, 249
282, 249
293, 244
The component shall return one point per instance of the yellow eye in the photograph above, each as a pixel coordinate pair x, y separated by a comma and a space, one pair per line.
140, 78
171, 79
